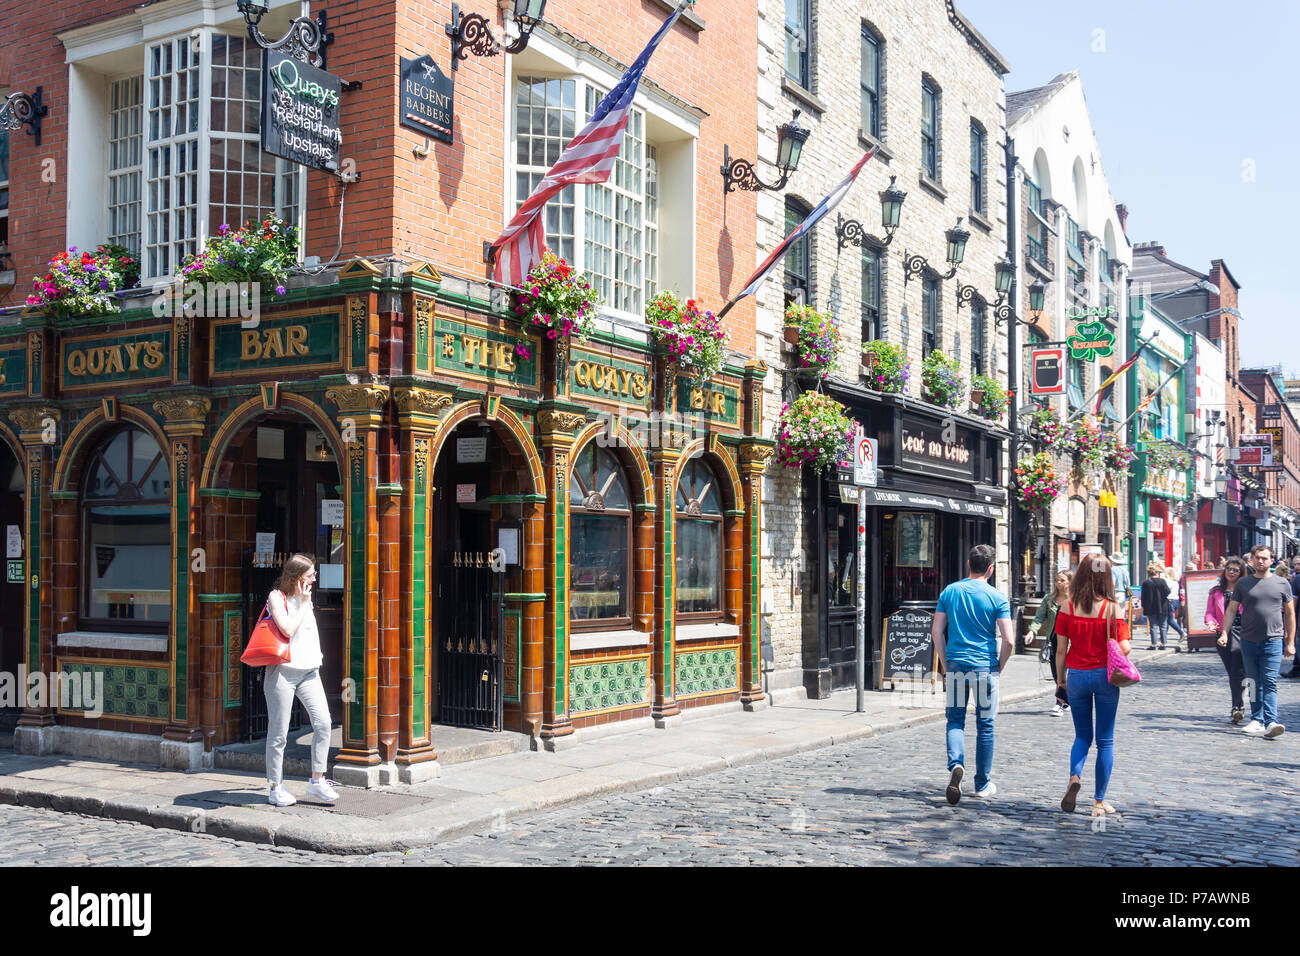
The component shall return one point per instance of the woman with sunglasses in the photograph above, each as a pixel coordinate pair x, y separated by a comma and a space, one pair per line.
1229, 645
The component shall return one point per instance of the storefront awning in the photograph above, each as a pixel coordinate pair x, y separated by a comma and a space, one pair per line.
908, 499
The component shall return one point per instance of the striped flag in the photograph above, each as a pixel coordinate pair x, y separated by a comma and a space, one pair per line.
1108, 386
589, 158
821, 209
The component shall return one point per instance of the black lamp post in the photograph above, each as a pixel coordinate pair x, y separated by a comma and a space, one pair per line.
850, 231
23, 109
914, 264
305, 40
740, 174
470, 32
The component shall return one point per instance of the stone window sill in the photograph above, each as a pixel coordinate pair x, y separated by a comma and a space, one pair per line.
980, 221
114, 641
931, 185
601, 640
870, 142
701, 632
687, 18
804, 96
1038, 269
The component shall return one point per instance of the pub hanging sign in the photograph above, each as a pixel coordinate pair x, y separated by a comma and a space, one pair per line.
427, 99
300, 112
1090, 341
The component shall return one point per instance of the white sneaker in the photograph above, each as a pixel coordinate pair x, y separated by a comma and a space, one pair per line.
1253, 729
321, 790
989, 791
1057, 710
1274, 730
280, 797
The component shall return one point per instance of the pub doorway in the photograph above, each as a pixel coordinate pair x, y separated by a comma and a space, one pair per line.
299, 508
12, 496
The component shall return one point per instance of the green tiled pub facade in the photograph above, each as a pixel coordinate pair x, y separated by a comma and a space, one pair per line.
168, 464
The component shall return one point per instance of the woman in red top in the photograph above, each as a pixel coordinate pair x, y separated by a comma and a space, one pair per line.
1082, 628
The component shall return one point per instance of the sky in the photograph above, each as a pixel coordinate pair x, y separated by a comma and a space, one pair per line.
1195, 112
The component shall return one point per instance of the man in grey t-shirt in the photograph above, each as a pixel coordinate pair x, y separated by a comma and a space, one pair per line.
1264, 601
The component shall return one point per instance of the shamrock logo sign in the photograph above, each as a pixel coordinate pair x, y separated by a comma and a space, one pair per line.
1091, 340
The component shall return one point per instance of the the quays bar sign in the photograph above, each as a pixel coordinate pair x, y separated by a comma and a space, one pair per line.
925, 446
289, 343
482, 354
141, 357
606, 378
714, 400
300, 112
428, 98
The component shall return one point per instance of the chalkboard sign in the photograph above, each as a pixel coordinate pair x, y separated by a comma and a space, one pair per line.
1199, 584
907, 647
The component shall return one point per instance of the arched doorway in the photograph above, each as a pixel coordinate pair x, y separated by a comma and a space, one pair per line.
12, 488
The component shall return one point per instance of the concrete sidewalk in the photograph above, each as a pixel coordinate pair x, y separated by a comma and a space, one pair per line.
478, 795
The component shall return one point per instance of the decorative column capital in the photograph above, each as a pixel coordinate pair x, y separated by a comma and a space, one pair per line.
37, 424
559, 426
421, 407
755, 454
184, 415
362, 402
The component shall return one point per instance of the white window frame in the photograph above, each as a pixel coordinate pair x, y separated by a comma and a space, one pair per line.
666, 124
127, 170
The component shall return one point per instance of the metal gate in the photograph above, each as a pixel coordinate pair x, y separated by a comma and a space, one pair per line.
471, 677
258, 577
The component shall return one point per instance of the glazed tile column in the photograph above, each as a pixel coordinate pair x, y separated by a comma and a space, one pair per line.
360, 416
418, 411
38, 430
558, 426
184, 422
754, 456
664, 464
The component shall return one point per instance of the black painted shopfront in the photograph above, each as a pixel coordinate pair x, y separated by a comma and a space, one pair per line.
937, 496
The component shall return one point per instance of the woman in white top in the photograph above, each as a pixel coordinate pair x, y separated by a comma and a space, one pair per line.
291, 609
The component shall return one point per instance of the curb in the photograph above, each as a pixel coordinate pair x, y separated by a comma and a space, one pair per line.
293, 833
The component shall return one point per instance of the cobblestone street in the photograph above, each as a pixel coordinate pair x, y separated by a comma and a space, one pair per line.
1185, 784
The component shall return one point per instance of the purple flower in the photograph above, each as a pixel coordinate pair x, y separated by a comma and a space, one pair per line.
279, 290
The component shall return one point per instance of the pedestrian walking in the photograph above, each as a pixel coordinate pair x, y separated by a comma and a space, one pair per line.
1229, 644
1088, 621
1175, 601
1295, 603
1045, 626
1119, 574
1155, 604
1268, 620
970, 615
291, 609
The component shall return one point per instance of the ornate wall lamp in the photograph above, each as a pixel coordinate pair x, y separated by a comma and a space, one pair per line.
740, 174
305, 40
914, 264
850, 231
23, 109
470, 32
1005, 271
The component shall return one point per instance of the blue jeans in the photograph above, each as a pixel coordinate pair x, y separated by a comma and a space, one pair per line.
1084, 688
1153, 625
1262, 661
984, 684
1173, 619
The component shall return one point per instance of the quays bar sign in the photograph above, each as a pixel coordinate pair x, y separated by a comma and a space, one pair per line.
477, 352
292, 343
604, 378
135, 358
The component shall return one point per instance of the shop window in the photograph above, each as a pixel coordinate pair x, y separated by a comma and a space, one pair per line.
126, 535
798, 42
873, 71
600, 535
699, 542
798, 261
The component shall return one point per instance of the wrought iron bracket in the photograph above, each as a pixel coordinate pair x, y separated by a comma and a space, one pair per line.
965, 294
849, 232
741, 174
23, 109
914, 264
471, 33
305, 40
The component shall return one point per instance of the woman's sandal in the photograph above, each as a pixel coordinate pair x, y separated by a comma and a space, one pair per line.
1101, 807
1071, 795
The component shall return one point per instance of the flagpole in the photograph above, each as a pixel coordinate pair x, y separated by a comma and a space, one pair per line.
1159, 388
1083, 409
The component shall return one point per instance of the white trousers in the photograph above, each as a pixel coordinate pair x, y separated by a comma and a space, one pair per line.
280, 687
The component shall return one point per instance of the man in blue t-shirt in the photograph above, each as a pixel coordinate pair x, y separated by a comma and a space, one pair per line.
967, 621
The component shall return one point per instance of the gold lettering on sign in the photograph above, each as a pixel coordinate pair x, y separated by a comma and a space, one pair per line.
258, 344
708, 400
115, 359
488, 354
607, 378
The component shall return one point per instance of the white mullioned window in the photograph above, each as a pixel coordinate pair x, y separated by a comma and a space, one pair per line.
125, 161
172, 164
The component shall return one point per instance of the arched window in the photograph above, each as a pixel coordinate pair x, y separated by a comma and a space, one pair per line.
699, 542
600, 539
126, 535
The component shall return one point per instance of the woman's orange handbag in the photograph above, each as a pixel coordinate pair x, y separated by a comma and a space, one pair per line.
267, 645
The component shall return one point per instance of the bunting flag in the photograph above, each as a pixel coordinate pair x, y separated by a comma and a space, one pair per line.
589, 158
821, 209
1108, 386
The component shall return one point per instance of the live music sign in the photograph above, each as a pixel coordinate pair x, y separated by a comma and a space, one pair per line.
1048, 376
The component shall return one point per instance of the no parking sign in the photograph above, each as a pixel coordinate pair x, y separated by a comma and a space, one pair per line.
864, 461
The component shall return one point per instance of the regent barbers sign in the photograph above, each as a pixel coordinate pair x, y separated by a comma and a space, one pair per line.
428, 97
300, 112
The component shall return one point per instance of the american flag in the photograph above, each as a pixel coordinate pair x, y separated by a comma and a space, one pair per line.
588, 159
822, 208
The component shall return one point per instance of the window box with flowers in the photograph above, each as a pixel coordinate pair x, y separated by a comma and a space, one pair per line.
688, 335
941, 381
885, 366
258, 253
817, 339
556, 300
85, 283
816, 431
988, 399
1037, 482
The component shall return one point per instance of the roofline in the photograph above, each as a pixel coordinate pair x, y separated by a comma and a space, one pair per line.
976, 39
1224, 266
1170, 262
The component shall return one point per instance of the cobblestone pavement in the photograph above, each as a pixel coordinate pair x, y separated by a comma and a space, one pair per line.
1189, 789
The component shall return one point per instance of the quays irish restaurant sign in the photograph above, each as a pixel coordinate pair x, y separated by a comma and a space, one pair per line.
300, 112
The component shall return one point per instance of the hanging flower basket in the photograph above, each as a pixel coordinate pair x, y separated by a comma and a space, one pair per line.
818, 341
694, 338
1048, 427
1164, 455
260, 253
1116, 456
82, 283
988, 399
941, 380
1082, 441
885, 366
791, 334
816, 431
1037, 482
555, 301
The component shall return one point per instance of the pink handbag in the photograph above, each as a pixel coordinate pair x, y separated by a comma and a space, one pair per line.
1119, 669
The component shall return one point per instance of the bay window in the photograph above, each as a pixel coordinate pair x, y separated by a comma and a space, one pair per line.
698, 580
4, 194
600, 529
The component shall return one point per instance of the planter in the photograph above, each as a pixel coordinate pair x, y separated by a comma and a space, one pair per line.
791, 333
976, 397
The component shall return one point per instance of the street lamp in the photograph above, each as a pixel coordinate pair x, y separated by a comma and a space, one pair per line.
740, 173
1037, 292
850, 231
1220, 484
915, 264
